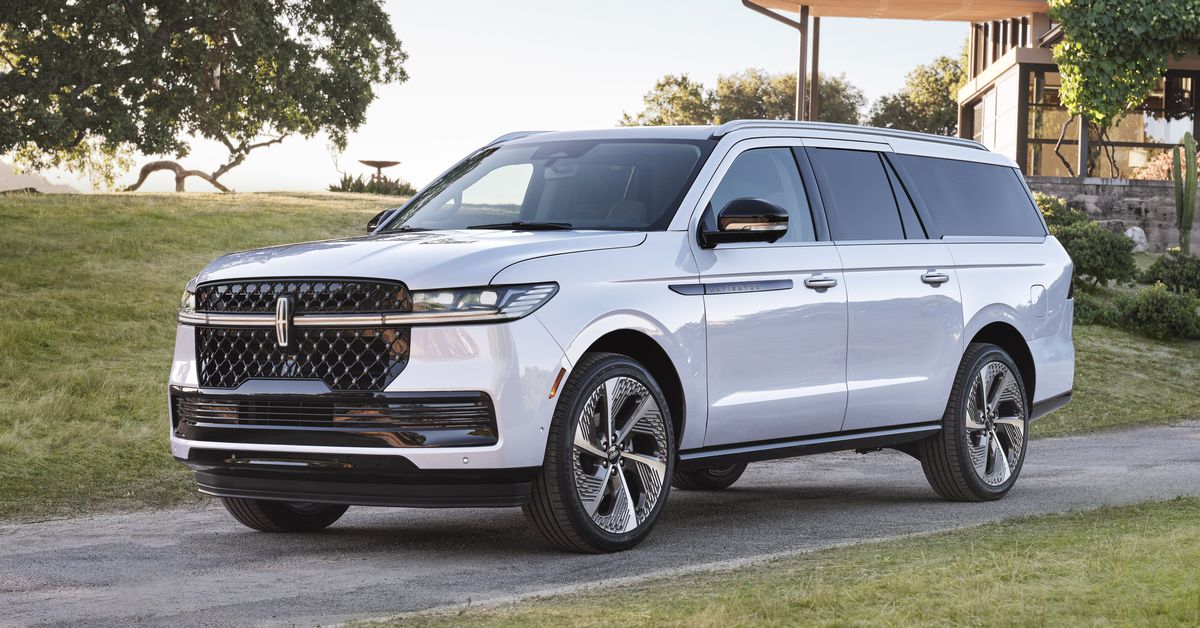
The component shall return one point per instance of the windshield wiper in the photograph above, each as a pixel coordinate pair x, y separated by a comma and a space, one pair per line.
406, 229
521, 225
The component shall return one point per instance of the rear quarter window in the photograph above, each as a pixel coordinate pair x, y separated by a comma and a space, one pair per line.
965, 198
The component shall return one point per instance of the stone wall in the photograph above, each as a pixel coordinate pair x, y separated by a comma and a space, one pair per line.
1122, 203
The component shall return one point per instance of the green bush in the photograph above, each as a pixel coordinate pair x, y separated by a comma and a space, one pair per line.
1056, 212
1098, 253
373, 185
1090, 310
1159, 313
1179, 272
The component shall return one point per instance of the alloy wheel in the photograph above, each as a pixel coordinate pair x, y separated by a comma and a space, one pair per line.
995, 423
620, 454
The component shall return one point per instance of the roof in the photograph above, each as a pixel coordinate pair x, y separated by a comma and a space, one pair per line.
950, 10
701, 132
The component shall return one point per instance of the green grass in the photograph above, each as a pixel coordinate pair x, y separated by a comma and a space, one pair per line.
1125, 380
88, 290
1132, 566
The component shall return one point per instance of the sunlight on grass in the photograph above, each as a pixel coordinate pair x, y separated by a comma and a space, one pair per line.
1131, 566
90, 285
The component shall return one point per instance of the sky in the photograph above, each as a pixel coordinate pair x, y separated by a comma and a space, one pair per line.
478, 69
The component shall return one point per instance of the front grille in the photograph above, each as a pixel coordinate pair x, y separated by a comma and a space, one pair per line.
312, 296
398, 420
345, 359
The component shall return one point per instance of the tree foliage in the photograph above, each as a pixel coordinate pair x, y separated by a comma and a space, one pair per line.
1114, 51
94, 79
752, 94
926, 103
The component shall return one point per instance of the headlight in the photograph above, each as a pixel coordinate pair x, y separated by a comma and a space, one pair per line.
187, 303
488, 303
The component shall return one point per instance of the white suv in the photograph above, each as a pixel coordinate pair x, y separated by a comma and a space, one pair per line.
574, 322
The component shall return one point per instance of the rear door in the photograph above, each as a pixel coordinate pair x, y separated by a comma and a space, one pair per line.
775, 313
905, 327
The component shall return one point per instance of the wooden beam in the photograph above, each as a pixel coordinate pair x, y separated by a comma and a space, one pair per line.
814, 99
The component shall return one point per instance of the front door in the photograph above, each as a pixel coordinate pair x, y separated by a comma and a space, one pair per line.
776, 313
906, 323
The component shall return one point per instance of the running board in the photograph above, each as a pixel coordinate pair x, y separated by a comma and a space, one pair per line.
722, 455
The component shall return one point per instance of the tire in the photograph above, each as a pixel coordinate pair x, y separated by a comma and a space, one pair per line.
978, 454
272, 516
598, 493
714, 479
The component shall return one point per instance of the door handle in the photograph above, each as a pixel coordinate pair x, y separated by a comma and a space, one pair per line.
820, 283
934, 278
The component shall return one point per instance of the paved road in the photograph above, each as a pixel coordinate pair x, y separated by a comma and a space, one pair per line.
197, 567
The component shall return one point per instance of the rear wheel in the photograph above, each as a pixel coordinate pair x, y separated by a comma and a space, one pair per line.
713, 479
273, 516
610, 451
979, 452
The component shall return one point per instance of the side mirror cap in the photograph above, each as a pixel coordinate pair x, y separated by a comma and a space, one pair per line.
746, 220
373, 223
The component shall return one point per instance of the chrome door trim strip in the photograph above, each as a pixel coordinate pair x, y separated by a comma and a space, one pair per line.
731, 287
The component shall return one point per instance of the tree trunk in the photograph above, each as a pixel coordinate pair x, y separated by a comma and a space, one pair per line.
181, 175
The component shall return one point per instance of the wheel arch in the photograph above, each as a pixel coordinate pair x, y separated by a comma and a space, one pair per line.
641, 347
1007, 337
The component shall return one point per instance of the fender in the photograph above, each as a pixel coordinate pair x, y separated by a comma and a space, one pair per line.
996, 313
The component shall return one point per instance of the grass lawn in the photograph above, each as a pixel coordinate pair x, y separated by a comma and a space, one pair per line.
89, 286
88, 290
1132, 566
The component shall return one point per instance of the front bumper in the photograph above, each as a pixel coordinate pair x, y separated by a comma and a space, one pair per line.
514, 365
355, 480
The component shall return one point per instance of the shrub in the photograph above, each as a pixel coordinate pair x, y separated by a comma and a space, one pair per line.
1098, 253
1159, 313
373, 185
1179, 272
1056, 211
1090, 310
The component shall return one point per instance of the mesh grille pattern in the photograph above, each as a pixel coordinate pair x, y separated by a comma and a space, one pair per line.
345, 359
311, 296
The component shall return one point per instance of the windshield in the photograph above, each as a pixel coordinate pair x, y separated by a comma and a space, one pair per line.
592, 184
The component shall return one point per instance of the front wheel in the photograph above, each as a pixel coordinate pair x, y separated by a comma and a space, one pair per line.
609, 455
273, 516
979, 452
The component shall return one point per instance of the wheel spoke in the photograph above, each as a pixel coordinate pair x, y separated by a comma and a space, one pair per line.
610, 409
1006, 380
972, 422
582, 442
646, 406
1001, 458
625, 511
1012, 421
591, 501
981, 461
650, 468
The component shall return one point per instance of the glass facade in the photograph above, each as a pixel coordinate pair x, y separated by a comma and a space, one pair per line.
1136, 145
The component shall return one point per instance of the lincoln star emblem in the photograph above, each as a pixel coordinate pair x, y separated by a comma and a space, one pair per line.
283, 320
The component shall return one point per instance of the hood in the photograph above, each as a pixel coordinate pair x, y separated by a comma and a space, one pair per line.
422, 260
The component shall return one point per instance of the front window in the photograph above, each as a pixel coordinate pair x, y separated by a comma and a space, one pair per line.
582, 184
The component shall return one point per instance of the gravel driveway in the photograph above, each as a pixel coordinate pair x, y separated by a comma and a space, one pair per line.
198, 567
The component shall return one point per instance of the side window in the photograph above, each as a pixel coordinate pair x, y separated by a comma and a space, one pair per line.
857, 194
770, 174
908, 213
965, 198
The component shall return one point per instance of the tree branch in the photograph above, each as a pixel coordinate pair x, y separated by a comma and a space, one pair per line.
181, 175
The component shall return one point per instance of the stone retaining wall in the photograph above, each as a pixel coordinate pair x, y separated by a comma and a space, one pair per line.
1123, 203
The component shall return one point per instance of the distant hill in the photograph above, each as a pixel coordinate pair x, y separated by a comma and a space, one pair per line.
10, 180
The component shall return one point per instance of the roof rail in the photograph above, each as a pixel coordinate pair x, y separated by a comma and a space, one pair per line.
515, 135
738, 125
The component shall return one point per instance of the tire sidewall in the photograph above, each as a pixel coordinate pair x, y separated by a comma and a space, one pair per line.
566, 416
957, 432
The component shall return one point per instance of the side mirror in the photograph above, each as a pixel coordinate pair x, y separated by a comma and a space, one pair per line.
374, 222
745, 220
